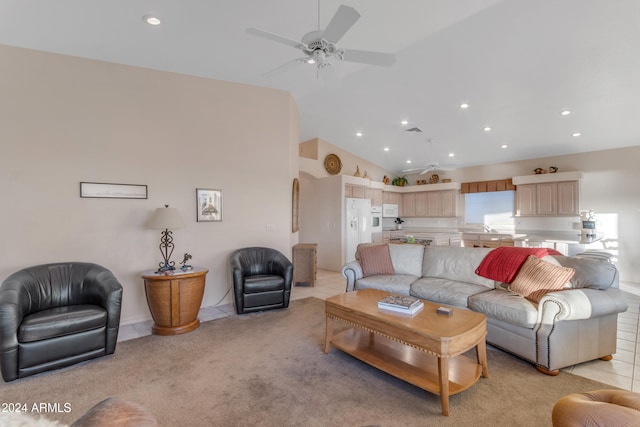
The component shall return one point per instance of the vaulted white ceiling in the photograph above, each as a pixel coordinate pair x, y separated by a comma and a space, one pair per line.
517, 63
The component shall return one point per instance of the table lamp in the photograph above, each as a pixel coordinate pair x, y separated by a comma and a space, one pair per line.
164, 219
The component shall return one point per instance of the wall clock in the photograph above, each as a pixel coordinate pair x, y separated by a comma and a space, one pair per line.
332, 164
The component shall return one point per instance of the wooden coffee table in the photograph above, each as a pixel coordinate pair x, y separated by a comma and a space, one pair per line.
424, 350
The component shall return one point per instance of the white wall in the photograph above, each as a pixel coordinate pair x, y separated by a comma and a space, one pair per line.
64, 120
322, 218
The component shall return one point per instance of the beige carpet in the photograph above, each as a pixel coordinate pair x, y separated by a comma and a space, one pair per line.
268, 369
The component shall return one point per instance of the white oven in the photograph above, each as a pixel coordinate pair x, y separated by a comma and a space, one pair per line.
376, 219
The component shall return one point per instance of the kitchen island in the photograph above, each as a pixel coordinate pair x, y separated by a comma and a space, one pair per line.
426, 238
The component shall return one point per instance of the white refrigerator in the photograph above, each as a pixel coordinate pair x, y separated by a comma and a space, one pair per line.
358, 225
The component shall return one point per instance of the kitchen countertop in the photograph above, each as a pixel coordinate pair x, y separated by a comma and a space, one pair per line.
559, 237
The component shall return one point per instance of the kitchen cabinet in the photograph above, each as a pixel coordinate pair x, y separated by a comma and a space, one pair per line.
375, 195
429, 204
409, 204
449, 200
392, 198
355, 191
548, 199
568, 198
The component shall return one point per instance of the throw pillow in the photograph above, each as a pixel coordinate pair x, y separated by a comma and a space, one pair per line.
537, 278
375, 260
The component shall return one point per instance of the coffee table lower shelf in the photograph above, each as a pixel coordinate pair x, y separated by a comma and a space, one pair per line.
405, 362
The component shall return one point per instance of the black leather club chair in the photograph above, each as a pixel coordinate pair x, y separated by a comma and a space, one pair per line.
261, 279
56, 315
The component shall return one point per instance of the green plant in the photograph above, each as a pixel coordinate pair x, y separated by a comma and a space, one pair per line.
400, 181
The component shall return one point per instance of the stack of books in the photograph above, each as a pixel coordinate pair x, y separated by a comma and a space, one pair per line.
401, 304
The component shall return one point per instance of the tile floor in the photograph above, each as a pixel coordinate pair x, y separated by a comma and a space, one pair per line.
621, 372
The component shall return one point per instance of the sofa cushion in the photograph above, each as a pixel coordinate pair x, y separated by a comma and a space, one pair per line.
375, 260
537, 278
590, 273
445, 291
455, 263
61, 321
407, 259
502, 264
506, 306
396, 283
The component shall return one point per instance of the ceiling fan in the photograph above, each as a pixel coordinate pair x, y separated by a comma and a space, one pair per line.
433, 166
319, 47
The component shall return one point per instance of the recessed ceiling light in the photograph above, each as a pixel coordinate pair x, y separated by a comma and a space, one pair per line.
151, 20
504, 146
487, 128
575, 134
404, 122
464, 106
565, 112
451, 154
408, 161
358, 133
386, 148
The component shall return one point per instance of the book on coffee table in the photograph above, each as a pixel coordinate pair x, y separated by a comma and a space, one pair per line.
401, 304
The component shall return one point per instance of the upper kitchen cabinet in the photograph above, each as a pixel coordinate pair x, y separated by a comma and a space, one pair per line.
430, 204
549, 196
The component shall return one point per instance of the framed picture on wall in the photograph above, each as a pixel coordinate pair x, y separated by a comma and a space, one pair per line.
209, 205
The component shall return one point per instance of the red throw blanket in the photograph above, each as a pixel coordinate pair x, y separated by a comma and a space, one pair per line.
502, 264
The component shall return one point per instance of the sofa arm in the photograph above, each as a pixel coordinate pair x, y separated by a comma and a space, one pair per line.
352, 271
577, 304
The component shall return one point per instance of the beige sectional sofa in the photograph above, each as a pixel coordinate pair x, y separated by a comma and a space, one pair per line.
566, 327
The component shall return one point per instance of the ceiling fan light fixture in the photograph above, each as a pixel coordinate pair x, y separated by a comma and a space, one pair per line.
152, 20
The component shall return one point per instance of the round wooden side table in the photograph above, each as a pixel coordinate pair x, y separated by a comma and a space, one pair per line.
174, 299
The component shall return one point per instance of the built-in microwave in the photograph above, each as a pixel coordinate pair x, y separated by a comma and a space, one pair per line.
389, 210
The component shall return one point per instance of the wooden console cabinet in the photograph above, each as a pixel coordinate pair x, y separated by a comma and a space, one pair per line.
304, 264
174, 299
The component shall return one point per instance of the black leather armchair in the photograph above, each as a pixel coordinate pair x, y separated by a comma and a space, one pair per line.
56, 315
261, 279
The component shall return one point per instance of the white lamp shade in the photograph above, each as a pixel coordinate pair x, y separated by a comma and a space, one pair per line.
165, 218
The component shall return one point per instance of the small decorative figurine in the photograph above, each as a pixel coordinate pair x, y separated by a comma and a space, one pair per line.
553, 169
357, 171
365, 175
539, 171
187, 257
385, 180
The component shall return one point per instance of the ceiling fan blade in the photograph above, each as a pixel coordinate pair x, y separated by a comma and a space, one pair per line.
368, 57
276, 38
344, 19
411, 170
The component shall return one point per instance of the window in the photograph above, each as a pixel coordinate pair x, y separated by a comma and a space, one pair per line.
493, 208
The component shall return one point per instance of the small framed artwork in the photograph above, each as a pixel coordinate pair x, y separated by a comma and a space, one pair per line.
295, 206
112, 191
209, 204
